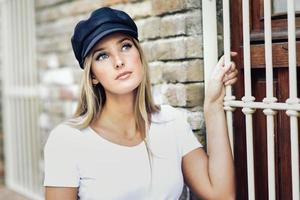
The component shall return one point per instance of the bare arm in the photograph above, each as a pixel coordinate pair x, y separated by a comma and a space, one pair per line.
211, 175
61, 193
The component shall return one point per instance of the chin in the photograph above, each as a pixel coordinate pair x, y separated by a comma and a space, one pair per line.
125, 89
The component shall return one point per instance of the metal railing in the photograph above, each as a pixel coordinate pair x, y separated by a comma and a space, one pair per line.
269, 105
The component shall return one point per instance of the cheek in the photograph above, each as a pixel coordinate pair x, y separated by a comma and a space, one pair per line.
138, 63
101, 74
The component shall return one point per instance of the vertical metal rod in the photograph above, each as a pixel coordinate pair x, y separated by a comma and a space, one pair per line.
249, 143
293, 100
295, 154
227, 60
269, 98
271, 154
248, 98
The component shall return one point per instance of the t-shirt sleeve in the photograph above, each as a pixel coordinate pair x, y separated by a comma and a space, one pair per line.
60, 159
187, 139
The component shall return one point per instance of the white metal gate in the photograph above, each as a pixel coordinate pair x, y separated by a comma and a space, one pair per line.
248, 104
20, 98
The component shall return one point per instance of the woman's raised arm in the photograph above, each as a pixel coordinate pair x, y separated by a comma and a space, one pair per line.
211, 175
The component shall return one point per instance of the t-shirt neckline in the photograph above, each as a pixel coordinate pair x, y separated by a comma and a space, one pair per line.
94, 133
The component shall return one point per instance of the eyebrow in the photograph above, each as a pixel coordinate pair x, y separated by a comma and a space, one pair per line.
118, 42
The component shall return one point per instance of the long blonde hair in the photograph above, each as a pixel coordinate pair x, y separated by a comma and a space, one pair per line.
92, 98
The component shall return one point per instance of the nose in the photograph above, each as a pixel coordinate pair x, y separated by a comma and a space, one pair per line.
119, 63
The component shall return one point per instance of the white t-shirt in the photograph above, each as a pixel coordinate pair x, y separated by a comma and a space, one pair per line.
105, 170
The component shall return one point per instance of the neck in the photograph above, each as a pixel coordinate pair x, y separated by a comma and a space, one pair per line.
119, 106
118, 114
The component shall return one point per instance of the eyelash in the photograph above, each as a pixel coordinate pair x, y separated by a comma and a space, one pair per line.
127, 45
100, 55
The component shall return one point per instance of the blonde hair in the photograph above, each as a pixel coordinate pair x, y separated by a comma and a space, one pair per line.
92, 98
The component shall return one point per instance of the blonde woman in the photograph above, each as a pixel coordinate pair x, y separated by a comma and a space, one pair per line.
120, 145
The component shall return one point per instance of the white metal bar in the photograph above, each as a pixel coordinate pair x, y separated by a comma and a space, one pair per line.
210, 38
227, 60
248, 98
226, 32
246, 47
268, 48
271, 152
292, 49
269, 99
263, 105
249, 143
294, 153
293, 100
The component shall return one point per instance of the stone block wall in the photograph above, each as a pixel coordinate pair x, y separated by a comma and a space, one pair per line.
170, 33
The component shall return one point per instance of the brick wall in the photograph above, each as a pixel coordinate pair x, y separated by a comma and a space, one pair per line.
170, 32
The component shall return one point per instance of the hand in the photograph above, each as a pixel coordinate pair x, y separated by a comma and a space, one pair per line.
221, 76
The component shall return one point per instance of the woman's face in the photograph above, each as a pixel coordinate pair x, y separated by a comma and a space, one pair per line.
116, 64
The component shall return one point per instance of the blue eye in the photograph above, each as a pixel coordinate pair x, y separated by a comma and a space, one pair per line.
101, 56
126, 46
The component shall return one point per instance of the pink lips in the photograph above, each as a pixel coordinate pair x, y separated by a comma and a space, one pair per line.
123, 75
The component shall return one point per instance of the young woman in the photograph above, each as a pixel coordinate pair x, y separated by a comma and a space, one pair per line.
120, 145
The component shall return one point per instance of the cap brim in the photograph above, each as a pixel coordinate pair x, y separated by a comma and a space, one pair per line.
106, 33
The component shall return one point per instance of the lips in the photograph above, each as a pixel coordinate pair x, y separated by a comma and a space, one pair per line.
123, 75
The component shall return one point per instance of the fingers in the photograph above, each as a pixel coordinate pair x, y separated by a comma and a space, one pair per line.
231, 75
224, 70
233, 53
225, 73
231, 81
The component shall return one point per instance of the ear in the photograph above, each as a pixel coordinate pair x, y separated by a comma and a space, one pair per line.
94, 80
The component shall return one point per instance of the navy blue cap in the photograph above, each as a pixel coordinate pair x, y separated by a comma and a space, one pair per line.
102, 22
